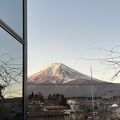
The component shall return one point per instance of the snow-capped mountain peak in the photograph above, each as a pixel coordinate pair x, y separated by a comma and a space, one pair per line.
57, 73
65, 80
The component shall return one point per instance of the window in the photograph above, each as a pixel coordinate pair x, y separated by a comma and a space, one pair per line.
12, 59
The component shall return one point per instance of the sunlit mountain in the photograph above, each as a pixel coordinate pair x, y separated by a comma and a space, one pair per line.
59, 78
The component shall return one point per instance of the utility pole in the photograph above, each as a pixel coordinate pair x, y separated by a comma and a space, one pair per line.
95, 115
92, 93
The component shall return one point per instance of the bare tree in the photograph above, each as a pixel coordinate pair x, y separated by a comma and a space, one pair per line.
10, 73
111, 59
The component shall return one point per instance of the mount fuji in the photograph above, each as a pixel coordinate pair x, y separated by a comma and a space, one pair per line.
59, 78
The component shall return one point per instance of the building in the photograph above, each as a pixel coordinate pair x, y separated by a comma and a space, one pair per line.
46, 115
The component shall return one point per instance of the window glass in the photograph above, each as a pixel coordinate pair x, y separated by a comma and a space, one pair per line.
11, 77
11, 12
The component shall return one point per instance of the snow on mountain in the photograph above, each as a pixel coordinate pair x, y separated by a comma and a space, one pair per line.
57, 73
68, 82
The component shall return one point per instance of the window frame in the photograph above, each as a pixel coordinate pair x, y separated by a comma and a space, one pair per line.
23, 41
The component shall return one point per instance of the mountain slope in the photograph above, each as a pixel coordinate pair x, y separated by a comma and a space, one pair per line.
59, 78
58, 73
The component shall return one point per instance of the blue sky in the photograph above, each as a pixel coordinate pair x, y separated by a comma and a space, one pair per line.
64, 30
11, 13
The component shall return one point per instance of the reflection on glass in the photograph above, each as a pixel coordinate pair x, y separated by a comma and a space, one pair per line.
11, 12
10, 77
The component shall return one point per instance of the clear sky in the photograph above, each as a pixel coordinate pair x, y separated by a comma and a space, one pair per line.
63, 31
11, 13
